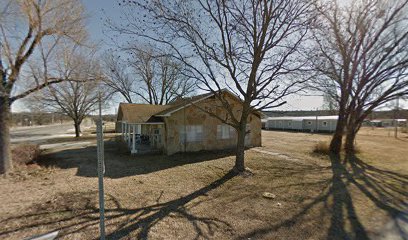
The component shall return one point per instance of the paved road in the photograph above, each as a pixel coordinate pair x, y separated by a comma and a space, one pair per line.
39, 134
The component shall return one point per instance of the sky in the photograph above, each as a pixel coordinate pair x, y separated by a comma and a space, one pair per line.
98, 10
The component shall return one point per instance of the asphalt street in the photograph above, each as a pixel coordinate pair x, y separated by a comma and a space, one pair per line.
38, 134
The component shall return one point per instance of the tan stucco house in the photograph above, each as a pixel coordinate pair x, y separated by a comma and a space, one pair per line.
183, 126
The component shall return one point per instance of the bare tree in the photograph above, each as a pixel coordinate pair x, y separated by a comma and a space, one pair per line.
330, 103
25, 25
249, 47
361, 56
160, 77
118, 78
148, 76
75, 99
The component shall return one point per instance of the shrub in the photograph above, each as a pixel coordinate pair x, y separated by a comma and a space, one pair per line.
24, 154
321, 148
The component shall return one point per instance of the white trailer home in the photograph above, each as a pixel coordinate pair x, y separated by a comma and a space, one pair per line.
304, 124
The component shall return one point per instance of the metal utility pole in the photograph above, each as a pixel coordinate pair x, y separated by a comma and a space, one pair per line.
101, 171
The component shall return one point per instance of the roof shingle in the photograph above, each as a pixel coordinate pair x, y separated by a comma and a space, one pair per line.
140, 113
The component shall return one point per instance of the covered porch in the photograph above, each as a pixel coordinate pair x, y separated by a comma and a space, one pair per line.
143, 138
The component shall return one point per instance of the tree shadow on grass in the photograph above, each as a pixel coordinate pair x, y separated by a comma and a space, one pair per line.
386, 189
78, 212
118, 161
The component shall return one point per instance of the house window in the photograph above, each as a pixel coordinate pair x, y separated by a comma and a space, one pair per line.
191, 133
324, 123
224, 131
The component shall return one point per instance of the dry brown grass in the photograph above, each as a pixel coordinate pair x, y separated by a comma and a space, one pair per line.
374, 145
23, 154
321, 148
188, 196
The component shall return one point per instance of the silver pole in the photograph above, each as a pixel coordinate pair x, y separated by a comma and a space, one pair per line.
101, 171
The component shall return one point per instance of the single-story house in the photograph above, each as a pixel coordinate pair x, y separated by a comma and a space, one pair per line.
184, 125
306, 123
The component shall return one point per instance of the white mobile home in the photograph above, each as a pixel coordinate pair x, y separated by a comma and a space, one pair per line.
307, 123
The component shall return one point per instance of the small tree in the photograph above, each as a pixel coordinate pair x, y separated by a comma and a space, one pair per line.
25, 25
361, 55
250, 47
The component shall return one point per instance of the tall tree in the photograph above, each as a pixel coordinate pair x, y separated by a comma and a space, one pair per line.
148, 76
361, 56
249, 47
118, 79
160, 77
25, 25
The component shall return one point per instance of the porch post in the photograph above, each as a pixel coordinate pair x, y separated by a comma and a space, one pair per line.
127, 132
133, 151
130, 135
122, 130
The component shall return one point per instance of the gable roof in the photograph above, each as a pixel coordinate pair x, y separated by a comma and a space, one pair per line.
185, 102
140, 113
182, 103
147, 113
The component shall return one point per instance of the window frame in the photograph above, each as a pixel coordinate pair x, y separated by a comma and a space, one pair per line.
223, 129
191, 133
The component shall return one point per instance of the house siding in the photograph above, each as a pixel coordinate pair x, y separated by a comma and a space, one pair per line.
194, 116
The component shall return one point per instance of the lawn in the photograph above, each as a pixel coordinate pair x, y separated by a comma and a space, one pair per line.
195, 196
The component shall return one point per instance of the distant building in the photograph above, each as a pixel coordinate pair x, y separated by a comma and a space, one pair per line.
303, 124
387, 122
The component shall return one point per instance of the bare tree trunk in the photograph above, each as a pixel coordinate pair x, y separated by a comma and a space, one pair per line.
77, 126
354, 127
336, 142
349, 144
240, 151
5, 121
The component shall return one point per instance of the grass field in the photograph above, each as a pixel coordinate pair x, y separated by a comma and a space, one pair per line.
195, 196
